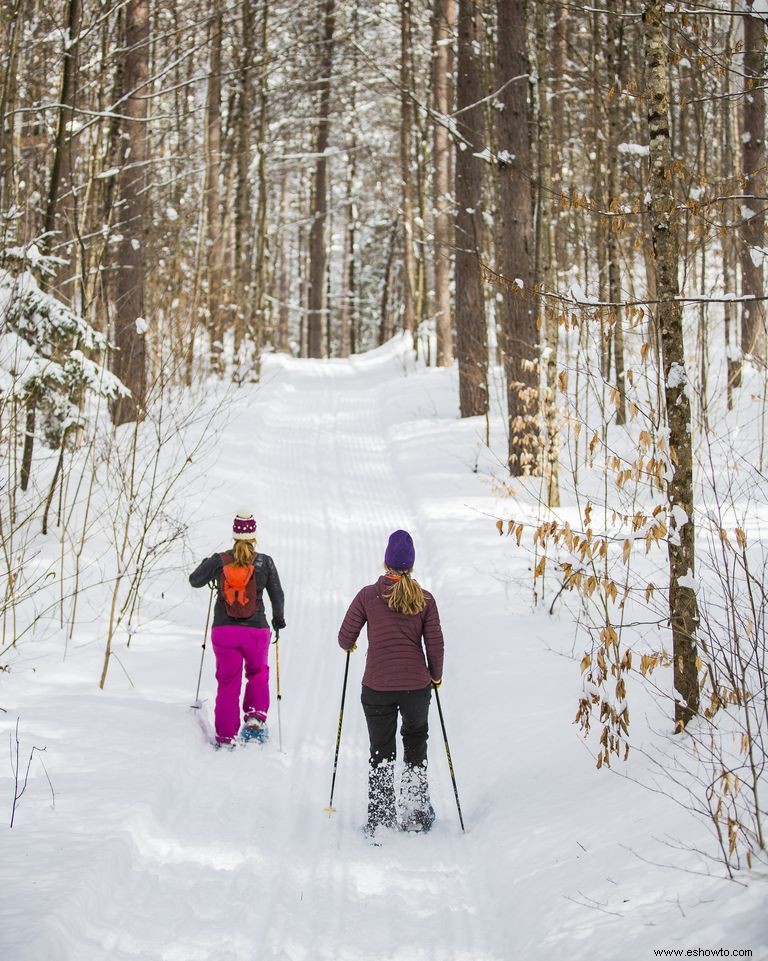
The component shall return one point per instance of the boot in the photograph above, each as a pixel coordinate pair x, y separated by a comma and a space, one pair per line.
255, 729
417, 813
381, 797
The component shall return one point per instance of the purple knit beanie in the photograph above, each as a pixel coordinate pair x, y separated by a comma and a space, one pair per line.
400, 553
244, 526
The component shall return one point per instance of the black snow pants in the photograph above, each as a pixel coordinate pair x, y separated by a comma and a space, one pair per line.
381, 709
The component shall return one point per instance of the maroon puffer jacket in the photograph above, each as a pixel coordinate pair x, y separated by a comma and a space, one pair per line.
395, 660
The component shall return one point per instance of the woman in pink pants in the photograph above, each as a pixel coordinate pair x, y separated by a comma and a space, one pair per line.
240, 634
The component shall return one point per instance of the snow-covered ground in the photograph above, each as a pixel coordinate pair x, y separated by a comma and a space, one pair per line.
160, 849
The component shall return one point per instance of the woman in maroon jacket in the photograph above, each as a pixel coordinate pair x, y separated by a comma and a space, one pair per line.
399, 674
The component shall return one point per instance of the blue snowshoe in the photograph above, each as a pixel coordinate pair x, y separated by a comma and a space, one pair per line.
255, 730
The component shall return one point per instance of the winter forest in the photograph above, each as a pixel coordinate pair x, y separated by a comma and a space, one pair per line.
490, 271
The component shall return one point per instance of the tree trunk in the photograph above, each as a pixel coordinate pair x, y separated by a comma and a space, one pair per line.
29, 440
545, 253
129, 359
443, 26
614, 62
471, 334
284, 288
754, 339
61, 209
683, 607
317, 252
516, 254
243, 233
730, 255
406, 169
11, 27
385, 325
348, 259
259, 315
560, 140
214, 260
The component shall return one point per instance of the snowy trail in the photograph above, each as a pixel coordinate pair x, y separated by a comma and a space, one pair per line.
161, 849
354, 496
234, 852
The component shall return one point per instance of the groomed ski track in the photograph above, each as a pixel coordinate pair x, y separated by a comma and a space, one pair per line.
161, 849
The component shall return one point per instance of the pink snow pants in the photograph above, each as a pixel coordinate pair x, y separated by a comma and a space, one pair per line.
234, 646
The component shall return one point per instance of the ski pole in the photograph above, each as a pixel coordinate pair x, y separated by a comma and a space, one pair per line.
202, 656
330, 809
448, 754
279, 695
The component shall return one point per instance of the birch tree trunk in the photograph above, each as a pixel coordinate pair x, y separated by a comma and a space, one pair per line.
443, 25
517, 250
754, 340
683, 607
129, 358
471, 334
317, 253
545, 254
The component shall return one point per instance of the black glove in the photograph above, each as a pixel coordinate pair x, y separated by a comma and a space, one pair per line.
278, 624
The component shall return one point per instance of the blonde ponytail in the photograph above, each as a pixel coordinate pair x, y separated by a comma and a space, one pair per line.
405, 596
243, 553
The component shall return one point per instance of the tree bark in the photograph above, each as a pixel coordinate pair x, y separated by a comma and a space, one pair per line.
129, 359
545, 253
729, 251
406, 169
754, 340
214, 259
443, 25
259, 315
346, 321
683, 607
242, 215
614, 62
61, 209
516, 254
11, 26
317, 264
471, 334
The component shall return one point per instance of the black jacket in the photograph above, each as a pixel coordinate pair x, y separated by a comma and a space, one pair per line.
266, 577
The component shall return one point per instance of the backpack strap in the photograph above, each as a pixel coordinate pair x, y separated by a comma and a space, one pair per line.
226, 558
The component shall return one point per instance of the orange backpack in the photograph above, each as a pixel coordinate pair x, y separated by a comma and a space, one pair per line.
238, 589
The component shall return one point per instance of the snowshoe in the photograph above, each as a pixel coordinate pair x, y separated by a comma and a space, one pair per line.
416, 811
369, 833
374, 831
419, 821
255, 730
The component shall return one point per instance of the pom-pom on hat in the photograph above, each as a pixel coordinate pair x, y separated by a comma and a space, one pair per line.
244, 526
400, 553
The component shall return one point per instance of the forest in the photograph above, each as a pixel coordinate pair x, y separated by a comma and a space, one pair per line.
560, 203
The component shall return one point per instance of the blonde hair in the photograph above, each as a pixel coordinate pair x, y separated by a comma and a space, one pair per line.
405, 596
244, 553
